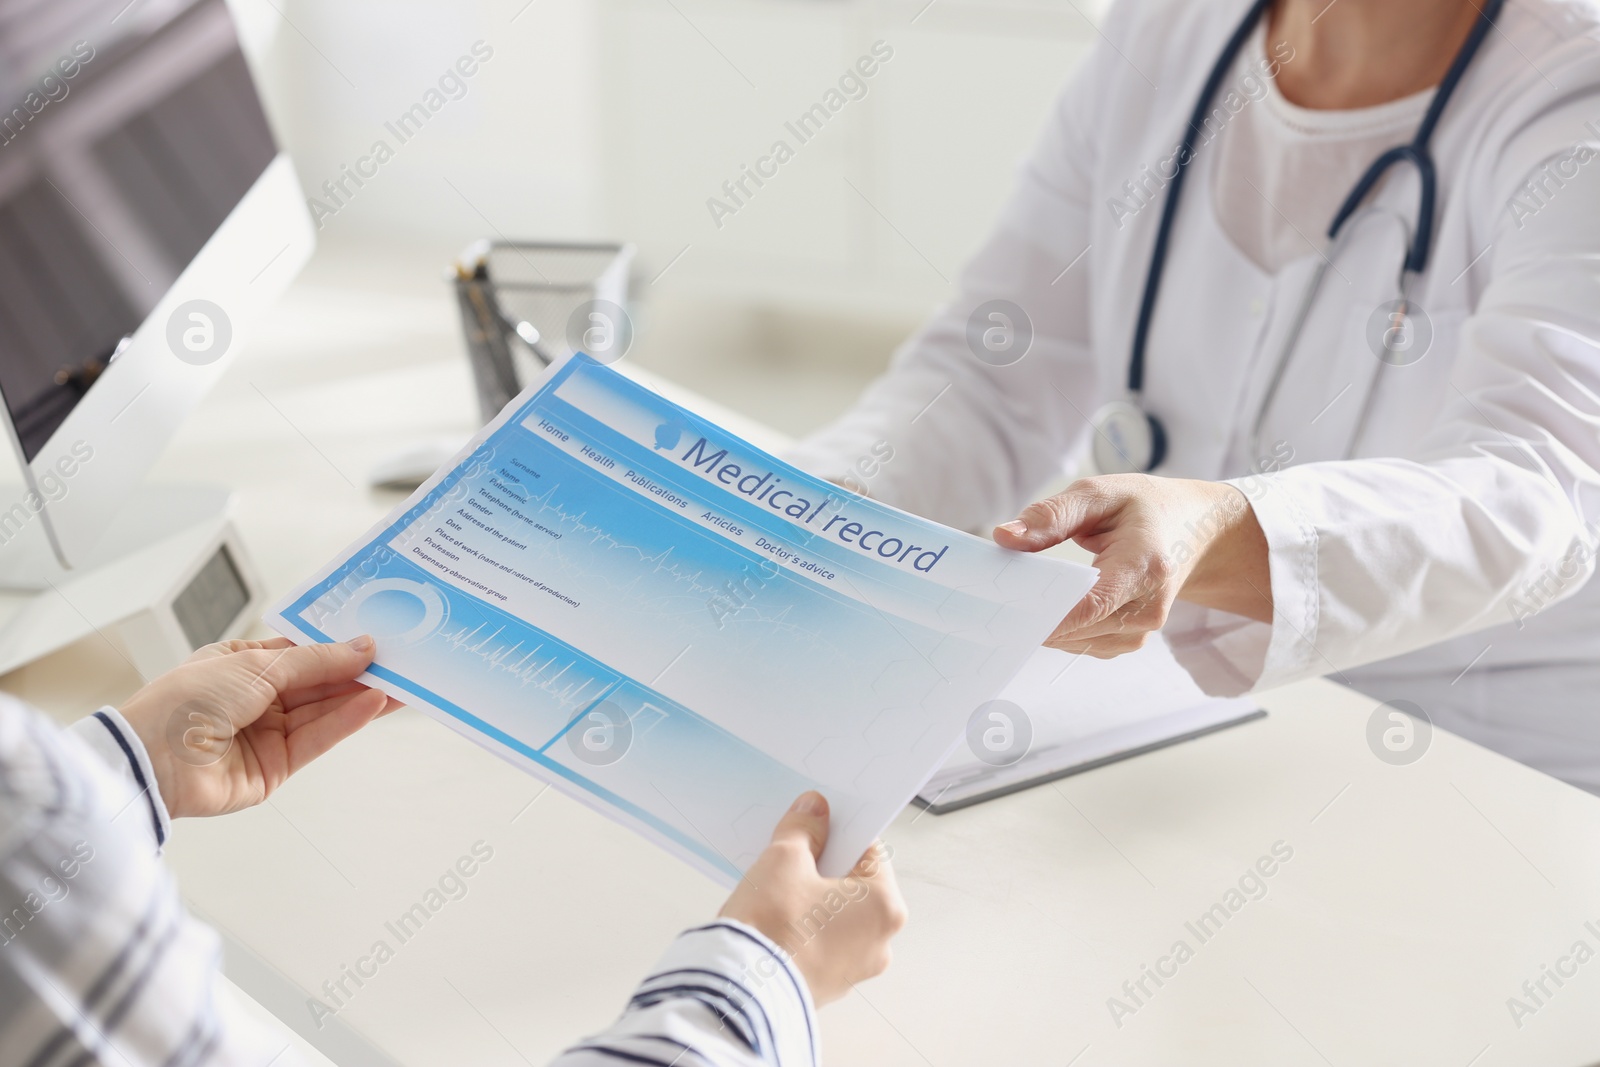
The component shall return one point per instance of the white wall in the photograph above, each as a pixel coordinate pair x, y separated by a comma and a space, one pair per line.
886, 201
620, 118
518, 153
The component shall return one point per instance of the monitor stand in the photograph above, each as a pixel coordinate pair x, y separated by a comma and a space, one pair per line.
170, 575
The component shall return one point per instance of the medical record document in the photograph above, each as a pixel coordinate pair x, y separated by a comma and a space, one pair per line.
678, 629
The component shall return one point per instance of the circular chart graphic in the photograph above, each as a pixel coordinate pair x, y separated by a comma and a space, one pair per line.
397, 609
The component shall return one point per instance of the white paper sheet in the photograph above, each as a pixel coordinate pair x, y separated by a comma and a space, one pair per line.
1063, 712
678, 629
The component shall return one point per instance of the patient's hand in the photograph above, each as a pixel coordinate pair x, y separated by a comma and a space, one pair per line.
837, 930
225, 728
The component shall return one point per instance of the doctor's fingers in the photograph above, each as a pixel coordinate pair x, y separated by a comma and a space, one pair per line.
1104, 647
1081, 509
1127, 631
1139, 604
1135, 589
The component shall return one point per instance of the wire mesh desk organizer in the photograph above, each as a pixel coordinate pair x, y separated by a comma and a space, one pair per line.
525, 305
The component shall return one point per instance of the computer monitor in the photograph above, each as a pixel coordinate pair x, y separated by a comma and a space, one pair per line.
147, 220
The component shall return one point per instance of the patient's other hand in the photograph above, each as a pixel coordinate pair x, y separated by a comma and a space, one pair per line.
230, 724
837, 930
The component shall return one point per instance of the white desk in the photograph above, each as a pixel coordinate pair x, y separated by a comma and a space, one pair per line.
1418, 898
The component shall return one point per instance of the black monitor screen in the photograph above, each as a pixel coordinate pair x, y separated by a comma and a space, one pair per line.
128, 132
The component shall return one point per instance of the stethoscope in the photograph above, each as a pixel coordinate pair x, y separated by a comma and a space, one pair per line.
1129, 438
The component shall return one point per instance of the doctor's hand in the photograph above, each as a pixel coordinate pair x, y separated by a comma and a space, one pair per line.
1155, 540
228, 725
836, 930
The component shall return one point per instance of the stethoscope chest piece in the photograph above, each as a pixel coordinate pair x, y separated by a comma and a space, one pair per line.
1127, 439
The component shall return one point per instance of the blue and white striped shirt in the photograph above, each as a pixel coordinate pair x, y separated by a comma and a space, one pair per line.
100, 963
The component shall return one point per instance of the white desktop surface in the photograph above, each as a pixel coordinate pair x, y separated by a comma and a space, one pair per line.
1418, 898
270, 1024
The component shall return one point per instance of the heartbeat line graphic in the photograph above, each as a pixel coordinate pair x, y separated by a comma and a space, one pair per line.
599, 538
529, 667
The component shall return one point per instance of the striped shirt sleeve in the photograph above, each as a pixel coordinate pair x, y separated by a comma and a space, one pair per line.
110, 737
101, 964
723, 995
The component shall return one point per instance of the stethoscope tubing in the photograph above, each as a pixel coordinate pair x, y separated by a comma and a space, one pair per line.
1291, 339
1416, 152
1169, 209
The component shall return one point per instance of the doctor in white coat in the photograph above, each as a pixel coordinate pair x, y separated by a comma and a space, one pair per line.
1371, 455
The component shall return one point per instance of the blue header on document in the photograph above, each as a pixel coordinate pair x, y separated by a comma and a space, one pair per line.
775, 509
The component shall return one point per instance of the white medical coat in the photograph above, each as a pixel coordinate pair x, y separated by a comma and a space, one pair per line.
1456, 532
